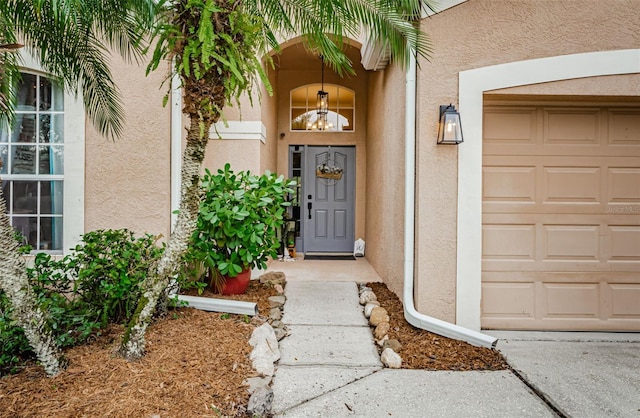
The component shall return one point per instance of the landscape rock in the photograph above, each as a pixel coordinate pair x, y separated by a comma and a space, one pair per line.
275, 314
381, 330
392, 344
277, 324
391, 359
367, 296
369, 307
276, 301
273, 278
381, 341
279, 289
378, 315
256, 382
280, 333
260, 402
265, 350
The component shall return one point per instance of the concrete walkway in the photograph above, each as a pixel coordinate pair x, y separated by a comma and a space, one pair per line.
329, 367
582, 374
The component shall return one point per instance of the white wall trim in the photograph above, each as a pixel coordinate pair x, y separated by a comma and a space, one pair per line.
74, 162
472, 85
246, 129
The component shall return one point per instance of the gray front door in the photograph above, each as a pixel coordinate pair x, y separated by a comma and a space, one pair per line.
329, 199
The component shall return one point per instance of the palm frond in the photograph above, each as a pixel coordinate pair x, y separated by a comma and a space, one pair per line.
325, 24
72, 40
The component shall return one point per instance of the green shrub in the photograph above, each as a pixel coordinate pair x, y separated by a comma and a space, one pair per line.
14, 347
98, 284
239, 216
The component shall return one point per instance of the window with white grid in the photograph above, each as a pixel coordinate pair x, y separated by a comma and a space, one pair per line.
32, 155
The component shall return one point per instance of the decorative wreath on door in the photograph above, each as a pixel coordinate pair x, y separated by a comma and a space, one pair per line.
329, 171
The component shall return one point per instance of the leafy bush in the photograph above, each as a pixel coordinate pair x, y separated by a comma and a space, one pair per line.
98, 284
237, 226
14, 347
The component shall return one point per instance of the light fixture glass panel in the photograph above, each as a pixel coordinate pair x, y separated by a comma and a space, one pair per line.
322, 102
451, 130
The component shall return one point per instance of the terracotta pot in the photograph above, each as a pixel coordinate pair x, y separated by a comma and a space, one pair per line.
236, 285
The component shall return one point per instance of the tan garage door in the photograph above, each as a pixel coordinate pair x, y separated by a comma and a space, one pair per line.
561, 217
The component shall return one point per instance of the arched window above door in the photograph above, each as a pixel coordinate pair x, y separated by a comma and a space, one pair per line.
341, 114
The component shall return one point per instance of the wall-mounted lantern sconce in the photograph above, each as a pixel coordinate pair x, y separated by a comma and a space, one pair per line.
449, 128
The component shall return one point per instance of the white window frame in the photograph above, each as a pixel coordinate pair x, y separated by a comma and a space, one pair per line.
74, 160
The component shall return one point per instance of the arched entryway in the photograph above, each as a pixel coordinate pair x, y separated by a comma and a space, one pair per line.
328, 161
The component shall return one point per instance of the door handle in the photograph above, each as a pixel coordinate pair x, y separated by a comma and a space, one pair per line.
309, 205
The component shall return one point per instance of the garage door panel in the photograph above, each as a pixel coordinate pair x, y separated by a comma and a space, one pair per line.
519, 121
577, 300
624, 127
561, 219
512, 242
625, 300
509, 184
571, 242
624, 243
508, 300
572, 185
574, 126
624, 185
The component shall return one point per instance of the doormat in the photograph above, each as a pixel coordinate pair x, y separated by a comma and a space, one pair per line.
329, 257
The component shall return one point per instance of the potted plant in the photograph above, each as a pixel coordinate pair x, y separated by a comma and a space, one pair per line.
240, 214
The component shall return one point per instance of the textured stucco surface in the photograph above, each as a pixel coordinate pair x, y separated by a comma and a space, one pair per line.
612, 87
297, 68
242, 154
269, 150
490, 32
385, 175
127, 182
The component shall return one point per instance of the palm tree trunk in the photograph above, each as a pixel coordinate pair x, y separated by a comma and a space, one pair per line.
26, 312
133, 342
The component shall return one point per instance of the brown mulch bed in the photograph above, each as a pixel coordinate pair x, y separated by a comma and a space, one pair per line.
194, 366
425, 350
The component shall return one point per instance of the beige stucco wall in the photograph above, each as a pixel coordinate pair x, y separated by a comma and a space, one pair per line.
612, 87
489, 32
385, 175
127, 182
248, 154
269, 150
297, 69
242, 154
